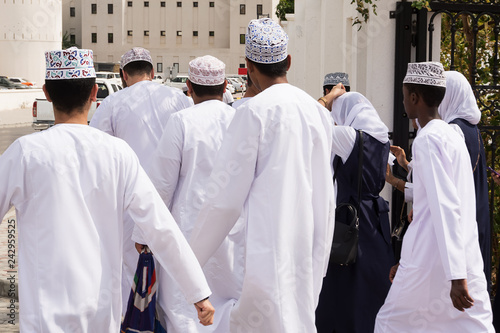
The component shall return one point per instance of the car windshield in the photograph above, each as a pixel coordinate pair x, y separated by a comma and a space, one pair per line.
103, 91
100, 76
15, 80
180, 79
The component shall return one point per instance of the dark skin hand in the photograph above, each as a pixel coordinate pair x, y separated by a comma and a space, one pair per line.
392, 272
460, 295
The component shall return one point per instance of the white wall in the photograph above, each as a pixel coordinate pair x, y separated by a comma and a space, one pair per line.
19, 98
323, 40
28, 29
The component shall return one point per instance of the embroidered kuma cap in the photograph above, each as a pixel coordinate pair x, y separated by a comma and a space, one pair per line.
426, 73
136, 54
207, 71
72, 63
332, 79
265, 42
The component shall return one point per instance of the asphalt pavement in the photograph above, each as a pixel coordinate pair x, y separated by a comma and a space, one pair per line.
13, 124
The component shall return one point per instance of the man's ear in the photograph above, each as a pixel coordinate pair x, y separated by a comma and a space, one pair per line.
152, 73
125, 76
190, 87
93, 93
414, 98
47, 96
225, 85
289, 62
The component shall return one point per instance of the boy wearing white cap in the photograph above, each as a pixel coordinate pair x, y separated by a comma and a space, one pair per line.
180, 169
439, 284
71, 186
274, 169
137, 114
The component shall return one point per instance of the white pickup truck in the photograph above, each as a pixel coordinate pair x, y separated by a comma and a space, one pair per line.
43, 114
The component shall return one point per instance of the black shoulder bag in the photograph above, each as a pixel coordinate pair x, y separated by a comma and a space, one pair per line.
345, 237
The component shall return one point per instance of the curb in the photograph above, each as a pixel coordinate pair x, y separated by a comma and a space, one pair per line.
15, 125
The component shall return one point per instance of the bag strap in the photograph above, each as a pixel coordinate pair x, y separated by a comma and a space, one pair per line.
360, 166
337, 160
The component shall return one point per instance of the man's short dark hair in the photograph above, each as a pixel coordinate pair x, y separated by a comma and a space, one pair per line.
273, 71
68, 95
330, 87
202, 91
431, 95
138, 68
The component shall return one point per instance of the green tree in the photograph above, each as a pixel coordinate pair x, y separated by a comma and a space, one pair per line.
66, 42
285, 7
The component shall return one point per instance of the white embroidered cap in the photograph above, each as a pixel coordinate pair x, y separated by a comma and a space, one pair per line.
72, 63
207, 71
426, 73
136, 54
265, 42
332, 79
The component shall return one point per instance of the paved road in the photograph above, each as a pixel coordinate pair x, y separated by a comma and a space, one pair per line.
9, 306
10, 134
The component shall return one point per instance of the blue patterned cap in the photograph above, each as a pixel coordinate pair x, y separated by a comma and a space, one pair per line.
332, 79
426, 73
265, 42
72, 63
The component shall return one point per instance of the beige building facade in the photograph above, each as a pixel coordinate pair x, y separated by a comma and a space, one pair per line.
27, 30
175, 32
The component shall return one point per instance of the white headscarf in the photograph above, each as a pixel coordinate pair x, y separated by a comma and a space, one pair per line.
355, 110
459, 100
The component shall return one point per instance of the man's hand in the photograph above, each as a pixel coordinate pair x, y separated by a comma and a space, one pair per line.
336, 91
460, 295
400, 156
392, 272
139, 247
205, 312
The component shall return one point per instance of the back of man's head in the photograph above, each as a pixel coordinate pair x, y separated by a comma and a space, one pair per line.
137, 62
266, 46
427, 80
207, 76
70, 77
138, 68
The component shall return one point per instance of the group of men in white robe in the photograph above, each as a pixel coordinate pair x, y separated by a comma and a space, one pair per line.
250, 189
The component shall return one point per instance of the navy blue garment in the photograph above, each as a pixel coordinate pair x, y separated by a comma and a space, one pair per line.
475, 146
352, 295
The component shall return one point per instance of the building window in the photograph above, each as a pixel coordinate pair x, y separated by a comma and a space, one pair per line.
159, 67
110, 37
162, 33
146, 3
129, 3
259, 10
195, 4
211, 4
243, 9
129, 33
179, 33
179, 4
242, 65
72, 39
110, 8
242, 38
195, 33
72, 11
162, 4
93, 8
94, 37
211, 33
146, 32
